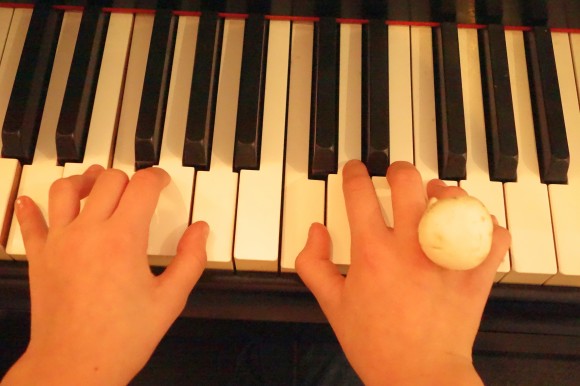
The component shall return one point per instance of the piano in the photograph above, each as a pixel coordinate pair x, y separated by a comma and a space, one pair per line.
254, 106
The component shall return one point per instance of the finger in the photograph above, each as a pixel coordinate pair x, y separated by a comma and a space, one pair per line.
409, 201
186, 268
499, 247
478, 281
65, 195
138, 203
319, 274
32, 226
362, 205
439, 190
105, 195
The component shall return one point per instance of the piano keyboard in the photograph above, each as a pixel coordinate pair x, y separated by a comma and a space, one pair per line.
254, 116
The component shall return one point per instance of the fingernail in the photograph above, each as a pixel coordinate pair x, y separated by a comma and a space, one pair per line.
19, 205
205, 231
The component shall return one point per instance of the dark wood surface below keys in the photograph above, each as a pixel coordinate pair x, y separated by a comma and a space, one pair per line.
77, 106
151, 118
200, 119
24, 112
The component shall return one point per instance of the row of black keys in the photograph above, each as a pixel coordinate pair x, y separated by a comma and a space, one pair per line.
25, 108
547, 13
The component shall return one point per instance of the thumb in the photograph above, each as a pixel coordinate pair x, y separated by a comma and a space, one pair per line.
319, 274
188, 264
32, 225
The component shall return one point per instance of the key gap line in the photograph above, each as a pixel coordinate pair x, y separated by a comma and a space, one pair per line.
283, 185
4, 46
235, 221
412, 98
576, 67
553, 234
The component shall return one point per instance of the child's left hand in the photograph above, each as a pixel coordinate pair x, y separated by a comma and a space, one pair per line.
97, 310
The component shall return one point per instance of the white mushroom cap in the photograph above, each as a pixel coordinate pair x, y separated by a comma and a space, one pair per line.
456, 233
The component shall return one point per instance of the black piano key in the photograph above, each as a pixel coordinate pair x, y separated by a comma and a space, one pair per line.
451, 142
155, 89
498, 106
375, 97
324, 112
77, 105
251, 95
200, 119
26, 104
551, 140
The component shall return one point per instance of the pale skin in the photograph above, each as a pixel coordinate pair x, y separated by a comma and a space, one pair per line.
98, 312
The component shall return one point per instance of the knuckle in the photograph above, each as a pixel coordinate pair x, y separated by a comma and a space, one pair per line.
61, 187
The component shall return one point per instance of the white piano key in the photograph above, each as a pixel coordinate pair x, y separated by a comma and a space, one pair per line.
400, 100
258, 215
303, 198
11, 57
527, 205
171, 216
13, 27
423, 149
5, 19
216, 189
37, 178
124, 157
423, 87
9, 175
477, 182
349, 139
107, 96
564, 199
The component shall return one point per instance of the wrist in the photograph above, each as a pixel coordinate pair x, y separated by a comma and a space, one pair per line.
53, 369
446, 370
